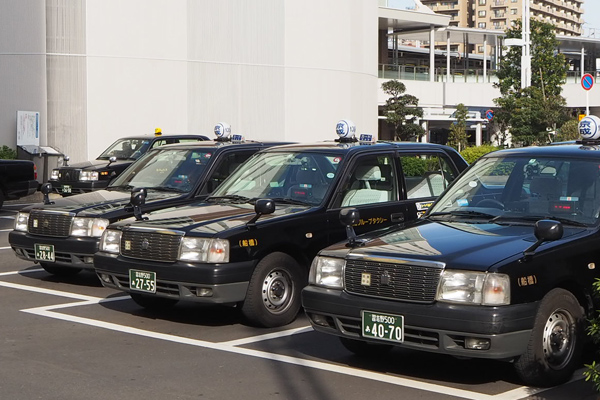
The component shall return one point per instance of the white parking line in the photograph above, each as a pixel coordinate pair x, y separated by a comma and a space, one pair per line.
233, 347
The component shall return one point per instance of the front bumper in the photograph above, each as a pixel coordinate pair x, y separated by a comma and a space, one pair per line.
205, 283
77, 187
437, 327
68, 252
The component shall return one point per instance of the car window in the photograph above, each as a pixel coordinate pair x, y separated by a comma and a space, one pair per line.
297, 176
426, 175
123, 149
227, 165
371, 181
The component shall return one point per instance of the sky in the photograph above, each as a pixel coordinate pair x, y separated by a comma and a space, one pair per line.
591, 16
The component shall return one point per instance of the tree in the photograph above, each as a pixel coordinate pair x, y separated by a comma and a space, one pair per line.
457, 137
531, 112
402, 111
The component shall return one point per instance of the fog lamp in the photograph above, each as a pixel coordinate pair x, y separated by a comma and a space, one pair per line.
477, 343
319, 319
204, 292
105, 278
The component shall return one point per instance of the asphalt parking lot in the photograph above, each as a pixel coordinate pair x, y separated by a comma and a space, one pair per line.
70, 338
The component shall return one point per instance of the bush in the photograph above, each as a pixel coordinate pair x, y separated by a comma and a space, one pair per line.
413, 166
7, 153
592, 371
470, 154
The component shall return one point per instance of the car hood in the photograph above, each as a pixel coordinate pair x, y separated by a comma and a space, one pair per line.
102, 203
459, 245
94, 164
208, 219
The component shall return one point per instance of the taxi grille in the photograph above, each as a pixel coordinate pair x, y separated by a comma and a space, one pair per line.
49, 224
147, 245
407, 282
69, 174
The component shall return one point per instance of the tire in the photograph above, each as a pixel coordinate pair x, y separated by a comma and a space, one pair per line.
556, 342
153, 302
365, 349
273, 296
60, 271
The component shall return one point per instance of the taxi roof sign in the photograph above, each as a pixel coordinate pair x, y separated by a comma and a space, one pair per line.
589, 128
346, 130
222, 130
366, 138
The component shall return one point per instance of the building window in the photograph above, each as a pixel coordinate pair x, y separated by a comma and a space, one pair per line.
481, 13
513, 11
481, 25
482, 2
480, 49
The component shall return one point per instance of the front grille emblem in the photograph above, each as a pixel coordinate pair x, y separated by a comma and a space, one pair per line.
45, 224
145, 244
385, 278
365, 279
128, 245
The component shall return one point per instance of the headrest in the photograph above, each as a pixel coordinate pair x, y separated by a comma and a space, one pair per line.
368, 173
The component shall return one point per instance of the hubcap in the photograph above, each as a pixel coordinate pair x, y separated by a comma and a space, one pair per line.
277, 291
557, 341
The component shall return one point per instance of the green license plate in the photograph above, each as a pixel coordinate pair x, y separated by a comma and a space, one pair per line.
142, 281
66, 189
44, 252
383, 326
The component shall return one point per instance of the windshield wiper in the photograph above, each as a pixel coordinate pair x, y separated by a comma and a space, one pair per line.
233, 197
121, 187
287, 200
562, 220
167, 189
462, 213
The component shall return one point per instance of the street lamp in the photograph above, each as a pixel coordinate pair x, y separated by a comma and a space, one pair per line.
525, 43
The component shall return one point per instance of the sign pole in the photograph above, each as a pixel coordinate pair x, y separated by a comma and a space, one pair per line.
587, 83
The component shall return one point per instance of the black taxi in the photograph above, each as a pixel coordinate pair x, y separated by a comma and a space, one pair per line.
501, 267
251, 242
93, 175
64, 235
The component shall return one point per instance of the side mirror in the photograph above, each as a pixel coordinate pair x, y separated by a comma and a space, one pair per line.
111, 160
137, 200
349, 217
66, 161
546, 230
46, 189
262, 207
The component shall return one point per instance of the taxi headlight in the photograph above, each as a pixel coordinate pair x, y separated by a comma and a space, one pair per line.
21, 221
204, 250
479, 288
111, 241
54, 174
327, 272
88, 176
88, 227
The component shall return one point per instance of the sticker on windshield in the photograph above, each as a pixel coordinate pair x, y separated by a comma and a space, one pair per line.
336, 160
462, 202
330, 175
473, 184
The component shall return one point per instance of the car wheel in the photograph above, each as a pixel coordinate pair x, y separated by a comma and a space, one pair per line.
365, 349
60, 271
153, 302
273, 296
556, 341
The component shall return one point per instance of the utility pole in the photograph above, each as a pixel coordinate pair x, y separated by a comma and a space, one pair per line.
526, 49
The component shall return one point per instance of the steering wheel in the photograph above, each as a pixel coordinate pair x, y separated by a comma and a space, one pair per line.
490, 203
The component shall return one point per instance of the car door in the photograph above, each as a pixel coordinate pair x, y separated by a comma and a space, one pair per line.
425, 176
370, 185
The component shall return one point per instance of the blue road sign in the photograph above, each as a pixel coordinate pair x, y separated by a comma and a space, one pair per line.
587, 81
489, 115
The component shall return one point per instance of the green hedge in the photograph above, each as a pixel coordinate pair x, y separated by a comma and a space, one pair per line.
470, 154
7, 153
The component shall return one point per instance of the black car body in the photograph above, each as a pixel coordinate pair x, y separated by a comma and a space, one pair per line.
252, 241
501, 267
18, 178
54, 234
93, 175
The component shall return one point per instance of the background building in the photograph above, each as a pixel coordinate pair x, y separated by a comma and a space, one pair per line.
272, 69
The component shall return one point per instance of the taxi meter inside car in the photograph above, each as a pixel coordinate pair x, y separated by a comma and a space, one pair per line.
501, 267
251, 242
63, 235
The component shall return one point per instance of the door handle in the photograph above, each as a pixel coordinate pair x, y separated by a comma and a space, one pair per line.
397, 217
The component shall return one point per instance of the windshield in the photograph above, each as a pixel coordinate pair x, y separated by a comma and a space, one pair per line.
300, 178
526, 188
172, 169
126, 149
